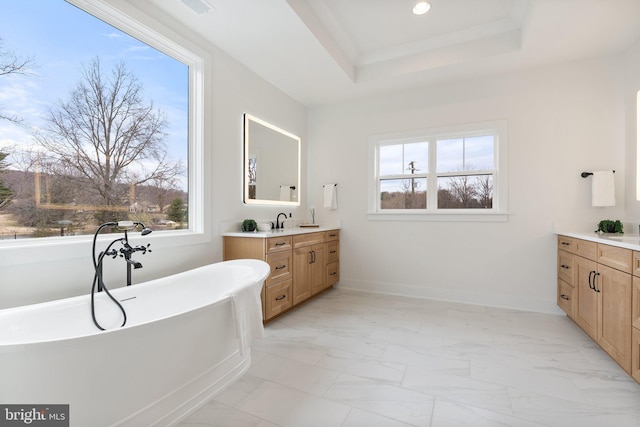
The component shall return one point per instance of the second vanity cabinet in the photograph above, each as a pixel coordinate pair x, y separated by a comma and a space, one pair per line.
595, 290
302, 265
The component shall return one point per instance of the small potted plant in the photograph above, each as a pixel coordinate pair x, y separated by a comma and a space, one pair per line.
609, 226
249, 225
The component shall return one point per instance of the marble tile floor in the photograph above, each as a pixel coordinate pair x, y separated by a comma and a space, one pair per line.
355, 359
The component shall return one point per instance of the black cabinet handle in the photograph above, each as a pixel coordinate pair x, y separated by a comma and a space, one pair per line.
595, 288
565, 243
280, 267
564, 266
281, 244
332, 252
591, 285
563, 296
281, 297
333, 274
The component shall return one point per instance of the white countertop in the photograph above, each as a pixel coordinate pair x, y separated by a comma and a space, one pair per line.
628, 241
281, 232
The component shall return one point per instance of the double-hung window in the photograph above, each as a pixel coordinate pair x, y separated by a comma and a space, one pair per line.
453, 173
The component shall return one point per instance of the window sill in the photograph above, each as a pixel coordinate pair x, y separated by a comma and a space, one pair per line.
439, 217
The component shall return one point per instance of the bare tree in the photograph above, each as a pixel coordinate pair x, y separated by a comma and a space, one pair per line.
6, 193
485, 190
10, 63
106, 135
463, 190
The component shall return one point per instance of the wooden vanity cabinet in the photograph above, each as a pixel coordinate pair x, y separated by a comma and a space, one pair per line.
600, 299
302, 265
635, 326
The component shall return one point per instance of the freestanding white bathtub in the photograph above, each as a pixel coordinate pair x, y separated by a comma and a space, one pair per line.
187, 337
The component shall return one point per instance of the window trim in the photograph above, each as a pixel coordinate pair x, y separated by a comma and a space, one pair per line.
498, 213
199, 231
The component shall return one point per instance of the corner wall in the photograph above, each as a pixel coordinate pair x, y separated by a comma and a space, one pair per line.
562, 120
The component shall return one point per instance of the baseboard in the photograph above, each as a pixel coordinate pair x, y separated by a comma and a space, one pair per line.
454, 295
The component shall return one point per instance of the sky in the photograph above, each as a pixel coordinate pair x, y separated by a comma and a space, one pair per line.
61, 39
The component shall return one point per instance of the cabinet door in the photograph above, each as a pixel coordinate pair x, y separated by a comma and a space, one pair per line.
635, 354
586, 314
317, 273
301, 287
635, 303
614, 327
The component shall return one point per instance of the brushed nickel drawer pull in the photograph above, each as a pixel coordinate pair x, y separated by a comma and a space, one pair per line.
281, 297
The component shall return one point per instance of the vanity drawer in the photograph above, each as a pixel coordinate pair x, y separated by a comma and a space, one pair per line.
332, 235
566, 300
308, 239
585, 249
277, 299
566, 243
333, 273
615, 257
280, 264
565, 267
278, 244
333, 253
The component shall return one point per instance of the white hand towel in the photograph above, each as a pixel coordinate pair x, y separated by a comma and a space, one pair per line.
285, 193
603, 190
331, 196
247, 307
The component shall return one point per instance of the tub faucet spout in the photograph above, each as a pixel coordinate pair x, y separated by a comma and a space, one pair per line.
125, 252
134, 263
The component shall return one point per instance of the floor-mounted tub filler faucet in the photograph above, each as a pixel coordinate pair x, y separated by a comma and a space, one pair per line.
124, 252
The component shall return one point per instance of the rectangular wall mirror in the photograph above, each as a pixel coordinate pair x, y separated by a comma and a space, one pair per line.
271, 164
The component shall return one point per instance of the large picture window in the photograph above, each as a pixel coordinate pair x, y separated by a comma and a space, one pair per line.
444, 173
94, 123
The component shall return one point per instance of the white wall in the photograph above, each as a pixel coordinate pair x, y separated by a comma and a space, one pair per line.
562, 120
632, 68
43, 271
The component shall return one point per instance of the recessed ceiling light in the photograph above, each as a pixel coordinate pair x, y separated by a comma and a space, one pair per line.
421, 7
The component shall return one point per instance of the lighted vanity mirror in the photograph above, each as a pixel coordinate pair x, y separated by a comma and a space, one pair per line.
271, 164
